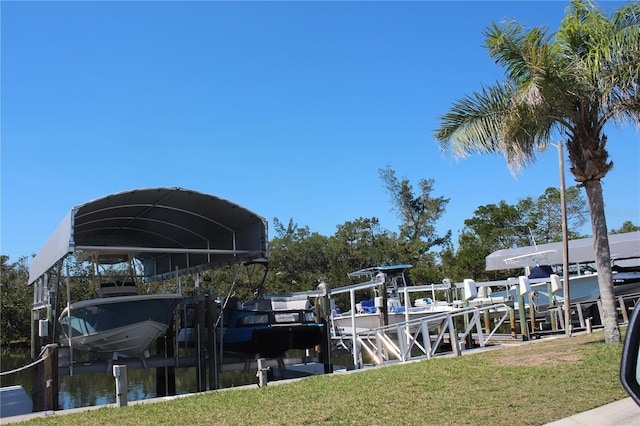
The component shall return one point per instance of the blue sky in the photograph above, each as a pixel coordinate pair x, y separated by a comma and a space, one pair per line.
289, 109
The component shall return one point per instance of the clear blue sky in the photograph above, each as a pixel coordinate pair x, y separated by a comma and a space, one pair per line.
286, 108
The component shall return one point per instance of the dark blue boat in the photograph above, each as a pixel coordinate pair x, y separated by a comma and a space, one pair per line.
269, 327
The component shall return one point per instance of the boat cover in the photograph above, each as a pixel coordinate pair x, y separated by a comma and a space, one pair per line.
622, 246
167, 229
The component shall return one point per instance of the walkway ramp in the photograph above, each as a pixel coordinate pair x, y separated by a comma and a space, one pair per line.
425, 336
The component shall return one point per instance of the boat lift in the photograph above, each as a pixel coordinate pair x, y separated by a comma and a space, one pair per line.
400, 339
424, 336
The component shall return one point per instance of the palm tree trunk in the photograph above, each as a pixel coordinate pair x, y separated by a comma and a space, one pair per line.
603, 261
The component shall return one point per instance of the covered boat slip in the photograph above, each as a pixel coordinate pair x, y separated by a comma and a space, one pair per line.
170, 232
623, 246
167, 229
539, 263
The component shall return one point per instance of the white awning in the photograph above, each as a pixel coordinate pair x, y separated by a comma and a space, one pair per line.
622, 246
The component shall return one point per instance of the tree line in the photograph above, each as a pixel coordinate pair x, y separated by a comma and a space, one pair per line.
299, 258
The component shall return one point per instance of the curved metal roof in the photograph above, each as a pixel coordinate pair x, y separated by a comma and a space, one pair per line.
622, 246
165, 228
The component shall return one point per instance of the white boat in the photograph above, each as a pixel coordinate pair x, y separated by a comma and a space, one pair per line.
369, 314
586, 288
125, 325
167, 233
540, 262
119, 321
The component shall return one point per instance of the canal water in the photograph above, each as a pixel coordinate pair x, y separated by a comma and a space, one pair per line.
85, 390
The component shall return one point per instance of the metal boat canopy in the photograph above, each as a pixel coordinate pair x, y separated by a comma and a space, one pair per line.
622, 246
167, 229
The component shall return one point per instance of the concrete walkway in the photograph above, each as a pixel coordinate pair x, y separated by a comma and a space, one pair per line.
620, 413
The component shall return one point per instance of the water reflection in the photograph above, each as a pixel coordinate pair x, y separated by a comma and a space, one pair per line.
10, 361
84, 390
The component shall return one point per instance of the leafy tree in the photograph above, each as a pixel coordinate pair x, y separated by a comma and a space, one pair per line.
499, 226
418, 214
493, 227
572, 83
502, 226
468, 261
297, 259
544, 215
627, 226
360, 244
15, 301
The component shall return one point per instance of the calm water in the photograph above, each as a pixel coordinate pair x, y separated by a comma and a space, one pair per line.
86, 390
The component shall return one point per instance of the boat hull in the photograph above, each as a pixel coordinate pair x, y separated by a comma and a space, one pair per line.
126, 325
272, 341
271, 328
131, 340
584, 289
264, 333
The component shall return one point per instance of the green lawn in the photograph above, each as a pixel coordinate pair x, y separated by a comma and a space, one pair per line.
531, 384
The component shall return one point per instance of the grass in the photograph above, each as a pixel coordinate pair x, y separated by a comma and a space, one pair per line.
531, 384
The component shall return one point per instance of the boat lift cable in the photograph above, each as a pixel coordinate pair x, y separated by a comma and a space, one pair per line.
229, 295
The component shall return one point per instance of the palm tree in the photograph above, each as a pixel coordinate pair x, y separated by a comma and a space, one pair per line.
569, 85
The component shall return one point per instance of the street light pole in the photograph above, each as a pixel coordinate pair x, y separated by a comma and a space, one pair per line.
565, 246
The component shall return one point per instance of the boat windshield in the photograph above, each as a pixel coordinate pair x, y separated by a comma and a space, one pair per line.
79, 327
254, 320
287, 317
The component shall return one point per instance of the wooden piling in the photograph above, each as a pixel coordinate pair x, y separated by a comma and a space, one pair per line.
44, 386
34, 333
522, 314
323, 312
580, 315
166, 376
384, 310
171, 351
122, 385
201, 344
161, 372
532, 313
468, 341
623, 310
485, 314
552, 312
211, 319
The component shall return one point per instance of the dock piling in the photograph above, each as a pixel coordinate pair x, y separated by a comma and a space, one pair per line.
262, 373
120, 374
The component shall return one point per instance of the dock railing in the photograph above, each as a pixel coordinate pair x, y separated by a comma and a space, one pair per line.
424, 337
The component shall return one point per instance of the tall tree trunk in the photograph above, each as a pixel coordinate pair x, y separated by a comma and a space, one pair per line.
603, 261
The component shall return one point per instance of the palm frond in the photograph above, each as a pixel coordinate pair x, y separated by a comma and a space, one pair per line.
474, 123
569, 84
